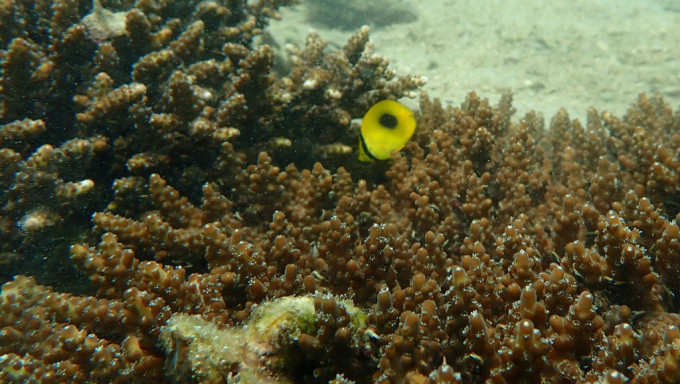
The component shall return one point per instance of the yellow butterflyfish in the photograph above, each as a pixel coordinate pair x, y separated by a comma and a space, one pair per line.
386, 127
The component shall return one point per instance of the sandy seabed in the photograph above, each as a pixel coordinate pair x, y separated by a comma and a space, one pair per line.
551, 54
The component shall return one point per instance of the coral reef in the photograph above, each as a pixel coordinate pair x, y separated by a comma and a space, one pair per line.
228, 235
94, 92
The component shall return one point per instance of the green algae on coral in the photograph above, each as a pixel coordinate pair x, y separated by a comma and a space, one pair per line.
266, 349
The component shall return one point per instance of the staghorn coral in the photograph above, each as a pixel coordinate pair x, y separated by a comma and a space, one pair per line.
472, 262
456, 285
93, 92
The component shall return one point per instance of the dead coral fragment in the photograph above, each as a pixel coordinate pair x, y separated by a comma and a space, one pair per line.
265, 350
103, 24
37, 220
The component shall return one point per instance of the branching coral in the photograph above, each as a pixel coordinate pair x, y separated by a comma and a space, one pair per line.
94, 92
455, 284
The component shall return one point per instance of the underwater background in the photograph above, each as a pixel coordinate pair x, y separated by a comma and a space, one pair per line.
386, 191
556, 54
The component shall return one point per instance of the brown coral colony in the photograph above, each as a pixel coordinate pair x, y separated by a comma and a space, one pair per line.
156, 170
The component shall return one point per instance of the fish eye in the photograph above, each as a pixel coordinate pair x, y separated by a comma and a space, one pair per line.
388, 120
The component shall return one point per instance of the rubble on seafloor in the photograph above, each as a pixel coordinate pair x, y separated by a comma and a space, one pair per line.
172, 211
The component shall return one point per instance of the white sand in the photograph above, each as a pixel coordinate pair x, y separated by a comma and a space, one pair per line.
551, 54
